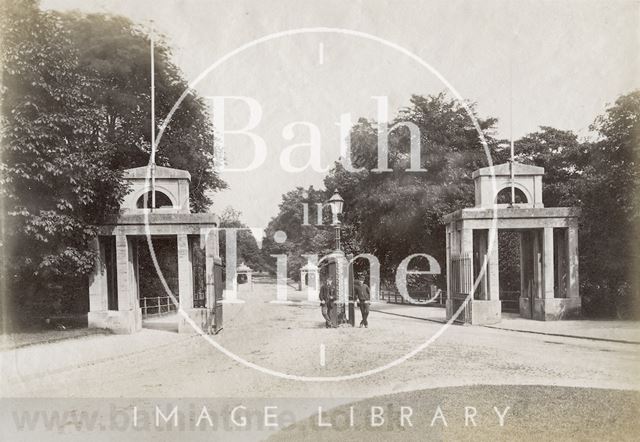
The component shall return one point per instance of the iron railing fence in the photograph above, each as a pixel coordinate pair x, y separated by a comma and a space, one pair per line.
438, 298
157, 306
461, 274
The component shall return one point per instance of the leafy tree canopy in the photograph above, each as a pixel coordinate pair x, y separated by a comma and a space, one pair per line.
74, 114
302, 238
399, 213
391, 214
395, 214
247, 249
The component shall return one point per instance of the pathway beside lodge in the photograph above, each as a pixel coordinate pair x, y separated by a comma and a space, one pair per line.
604, 330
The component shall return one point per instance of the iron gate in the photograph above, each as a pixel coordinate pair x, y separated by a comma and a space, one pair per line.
461, 284
216, 309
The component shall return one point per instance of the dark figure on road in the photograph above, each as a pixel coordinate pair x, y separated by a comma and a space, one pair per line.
327, 300
364, 299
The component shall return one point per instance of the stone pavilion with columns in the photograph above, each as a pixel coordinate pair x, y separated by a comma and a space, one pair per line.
548, 249
115, 298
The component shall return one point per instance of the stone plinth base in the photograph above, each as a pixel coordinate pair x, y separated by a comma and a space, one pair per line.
525, 308
122, 322
552, 309
202, 317
278, 301
485, 312
476, 312
448, 305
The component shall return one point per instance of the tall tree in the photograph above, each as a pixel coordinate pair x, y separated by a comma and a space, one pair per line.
563, 157
601, 177
391, 214
610, 200
302, 237
74, 113
399, 213
247, 249
55, 185
114, 53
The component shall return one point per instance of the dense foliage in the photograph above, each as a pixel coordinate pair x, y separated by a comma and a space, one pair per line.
609, 192
302, 238
74, 114
395, 214
247, 249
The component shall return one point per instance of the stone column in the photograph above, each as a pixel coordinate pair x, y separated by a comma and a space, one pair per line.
448, 258
480, 278
493, 268
211, 248
128, 318
98, 295
448, 244
123, 267
185, 273
538, 285
230, 292
524, 256
548, 266
134, 272
572, 263
560, 247
466, 241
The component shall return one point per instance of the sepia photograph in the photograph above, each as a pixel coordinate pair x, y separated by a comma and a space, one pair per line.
305, 220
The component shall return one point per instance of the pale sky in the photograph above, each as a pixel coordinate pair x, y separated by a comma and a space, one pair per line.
568, 60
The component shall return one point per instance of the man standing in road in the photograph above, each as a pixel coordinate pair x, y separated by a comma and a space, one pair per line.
327, 300
364, 299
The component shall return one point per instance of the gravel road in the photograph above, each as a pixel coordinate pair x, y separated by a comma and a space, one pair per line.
288, 339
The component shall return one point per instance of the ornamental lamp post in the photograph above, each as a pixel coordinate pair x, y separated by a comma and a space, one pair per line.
336, 202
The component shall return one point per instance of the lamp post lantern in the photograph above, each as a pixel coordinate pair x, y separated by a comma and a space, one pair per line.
336, 202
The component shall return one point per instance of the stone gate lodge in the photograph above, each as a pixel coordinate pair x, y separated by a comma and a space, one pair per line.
548, 249
185, 243
186, 253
